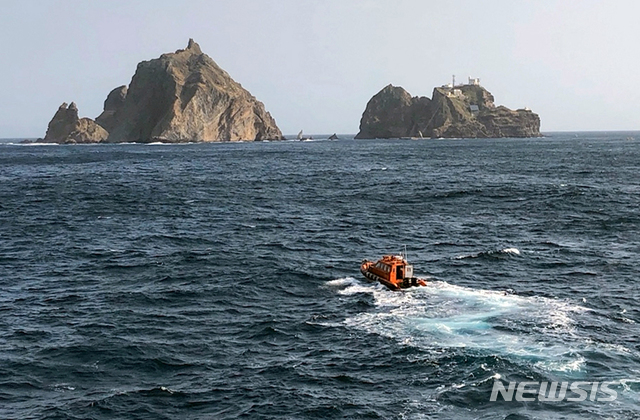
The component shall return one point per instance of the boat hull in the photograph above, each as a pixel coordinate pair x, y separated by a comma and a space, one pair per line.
403, 284
373, 277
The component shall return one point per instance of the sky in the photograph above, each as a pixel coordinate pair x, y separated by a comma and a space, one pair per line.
316, 63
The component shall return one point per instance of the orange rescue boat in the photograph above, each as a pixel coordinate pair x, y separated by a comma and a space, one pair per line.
392, 271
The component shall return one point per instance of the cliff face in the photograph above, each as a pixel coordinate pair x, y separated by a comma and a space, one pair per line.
392, 112
62, 123
113, 104
179, 97
67, 128
466, 111
185, 96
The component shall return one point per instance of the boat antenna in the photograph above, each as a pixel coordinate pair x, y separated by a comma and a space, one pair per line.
405, 251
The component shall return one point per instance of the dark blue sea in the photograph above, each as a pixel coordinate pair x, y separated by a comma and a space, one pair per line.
221, 281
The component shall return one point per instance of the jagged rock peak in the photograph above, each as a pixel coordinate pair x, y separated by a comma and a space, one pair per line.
179, 97
185, 96
194, 47
62, 123
66, 127
391, 88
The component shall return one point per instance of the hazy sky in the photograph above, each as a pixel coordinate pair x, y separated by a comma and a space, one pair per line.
315, 64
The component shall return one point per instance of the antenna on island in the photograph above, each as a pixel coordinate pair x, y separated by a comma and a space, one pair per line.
453, 84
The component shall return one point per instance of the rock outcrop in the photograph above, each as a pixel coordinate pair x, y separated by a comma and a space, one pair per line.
185, 96
180, 97
464, 111
62, 123
67, 128
391, 113
113, 104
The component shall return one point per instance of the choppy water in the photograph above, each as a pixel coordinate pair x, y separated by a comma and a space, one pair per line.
221, 280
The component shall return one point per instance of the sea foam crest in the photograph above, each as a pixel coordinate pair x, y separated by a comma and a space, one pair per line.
344, 281
537, 329
511, 251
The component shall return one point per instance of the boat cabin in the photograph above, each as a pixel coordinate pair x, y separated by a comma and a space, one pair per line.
392, 271
392, 268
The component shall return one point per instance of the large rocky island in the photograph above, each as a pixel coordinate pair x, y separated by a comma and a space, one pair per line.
180, 97
452, 112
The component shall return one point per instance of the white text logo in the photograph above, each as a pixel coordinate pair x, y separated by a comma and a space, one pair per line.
554, 391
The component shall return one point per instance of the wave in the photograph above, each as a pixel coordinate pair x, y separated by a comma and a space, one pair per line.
345, 281
535, 329
498, 253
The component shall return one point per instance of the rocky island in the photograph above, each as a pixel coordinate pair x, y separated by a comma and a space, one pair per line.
67, 128
180, 97
453, 111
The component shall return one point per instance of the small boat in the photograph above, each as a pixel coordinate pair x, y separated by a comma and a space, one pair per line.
392, 271
301, 137
334, 136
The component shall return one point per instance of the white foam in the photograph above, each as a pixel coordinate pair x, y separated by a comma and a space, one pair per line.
345, 281
537, 329
510, 251
514, 251
64, 387
562, 365
355, 289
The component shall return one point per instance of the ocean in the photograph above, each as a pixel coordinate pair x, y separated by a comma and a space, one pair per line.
221, 281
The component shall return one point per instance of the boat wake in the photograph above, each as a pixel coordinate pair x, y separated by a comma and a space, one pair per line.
535, 330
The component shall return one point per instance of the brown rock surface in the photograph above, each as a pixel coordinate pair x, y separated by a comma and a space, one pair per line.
65, 127
185, 96
113, 103
392, 112
62, 123
87, 130
468, 111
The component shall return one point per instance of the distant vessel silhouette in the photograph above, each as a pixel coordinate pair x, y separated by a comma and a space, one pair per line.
301, 136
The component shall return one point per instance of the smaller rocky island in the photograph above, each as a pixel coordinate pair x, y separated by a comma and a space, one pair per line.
453, 111
179, 97
67, 128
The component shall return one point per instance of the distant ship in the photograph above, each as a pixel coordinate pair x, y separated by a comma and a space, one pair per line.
302, 138
334, 136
